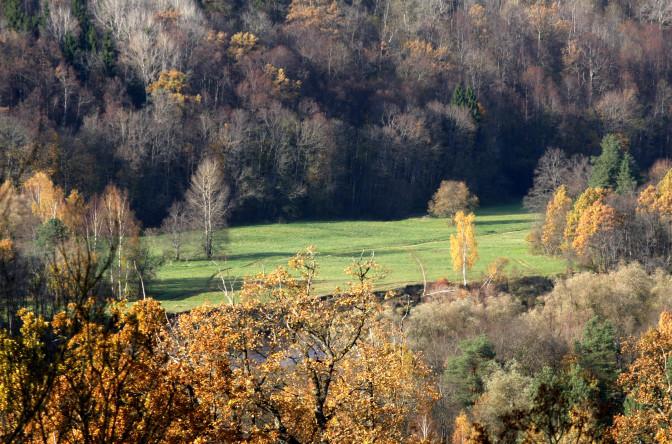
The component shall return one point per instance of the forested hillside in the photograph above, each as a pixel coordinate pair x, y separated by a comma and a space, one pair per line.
324, 109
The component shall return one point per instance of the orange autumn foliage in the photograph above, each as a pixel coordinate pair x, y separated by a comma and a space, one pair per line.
585, 200
597, 218
556, 218
657, 199
282, 365
647, 384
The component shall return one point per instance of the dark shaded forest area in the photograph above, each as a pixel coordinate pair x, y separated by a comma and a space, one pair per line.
325, 109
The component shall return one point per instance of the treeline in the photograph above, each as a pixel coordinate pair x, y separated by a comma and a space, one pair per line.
324, 108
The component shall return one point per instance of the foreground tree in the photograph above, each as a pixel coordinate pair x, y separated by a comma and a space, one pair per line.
463, 247
647, 385
207, 200
287, 364
283, 365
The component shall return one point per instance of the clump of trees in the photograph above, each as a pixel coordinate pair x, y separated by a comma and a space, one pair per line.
55, 245
555, 169
283, 364
576, 366
611, 220
451, 197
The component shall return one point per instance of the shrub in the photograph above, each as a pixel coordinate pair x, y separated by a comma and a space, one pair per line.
451, 197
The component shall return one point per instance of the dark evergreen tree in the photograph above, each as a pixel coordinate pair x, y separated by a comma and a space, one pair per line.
458, 96
70, 47
598, 357
472, 103
22, 15
466, 372
108, 54
607, 165
626, 181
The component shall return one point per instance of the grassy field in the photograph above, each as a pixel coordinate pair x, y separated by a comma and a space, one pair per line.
397, 245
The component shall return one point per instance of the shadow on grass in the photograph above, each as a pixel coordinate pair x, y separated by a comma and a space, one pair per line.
223, 258
502, 222
184, 288
254, 257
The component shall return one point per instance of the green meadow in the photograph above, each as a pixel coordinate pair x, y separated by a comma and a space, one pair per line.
398, 246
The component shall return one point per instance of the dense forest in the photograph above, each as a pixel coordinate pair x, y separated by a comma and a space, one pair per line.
321, 108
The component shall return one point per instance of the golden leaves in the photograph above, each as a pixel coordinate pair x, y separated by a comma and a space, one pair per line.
322, 14
598, 217
307, 367
173, 83
6, 250
242, 43
463, 246
647, 384
658, 199
555, 220
286, 364
282, 84
585, 200
45, 198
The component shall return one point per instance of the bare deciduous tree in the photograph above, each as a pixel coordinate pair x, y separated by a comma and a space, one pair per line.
152, 36
60, 21
548, 175
174, 225
657, 11
554, 169
207, 200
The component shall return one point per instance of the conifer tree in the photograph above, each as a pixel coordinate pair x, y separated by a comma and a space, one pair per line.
626, 181
607, 165
472, 104
458, 96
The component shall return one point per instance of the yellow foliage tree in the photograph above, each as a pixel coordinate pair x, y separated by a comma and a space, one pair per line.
424, 60
324, 15
597, 217
115, 384
658, 199
461, 429
554, 223
331, 370
282, 84
46, 199
463, 247
242, 43
647, 384
173, 83
585, 200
